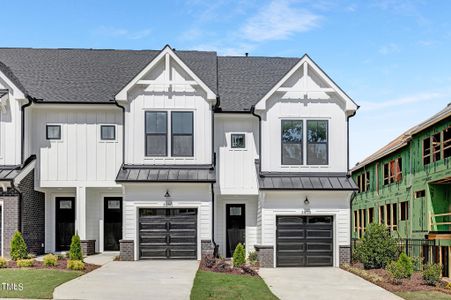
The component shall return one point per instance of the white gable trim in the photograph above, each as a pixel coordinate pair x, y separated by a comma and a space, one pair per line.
165, 54
18, 94
305, 62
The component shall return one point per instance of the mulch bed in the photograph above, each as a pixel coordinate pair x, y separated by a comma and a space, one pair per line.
415, 283
212, 264
61, 265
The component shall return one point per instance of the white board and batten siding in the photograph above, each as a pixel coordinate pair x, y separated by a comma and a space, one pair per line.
236, 166
183, 195
10, 129
323, 203
251, 232
80, 158
161, 96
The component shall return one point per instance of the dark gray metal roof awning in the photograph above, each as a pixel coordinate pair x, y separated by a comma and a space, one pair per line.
166, 173
306, 181
9, 172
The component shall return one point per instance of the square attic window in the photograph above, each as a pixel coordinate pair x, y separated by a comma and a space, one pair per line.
238, 141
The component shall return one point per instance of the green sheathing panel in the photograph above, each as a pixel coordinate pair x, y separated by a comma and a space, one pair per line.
416, 177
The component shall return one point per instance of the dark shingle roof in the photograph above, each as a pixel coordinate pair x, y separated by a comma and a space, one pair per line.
243, 81
167, 173
84, 75
3, 92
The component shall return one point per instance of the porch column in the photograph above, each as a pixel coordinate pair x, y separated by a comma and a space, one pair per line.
80, 212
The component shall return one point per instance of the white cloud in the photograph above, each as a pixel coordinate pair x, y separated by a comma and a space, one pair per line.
122, 33
277, 21
410, 99
389, 49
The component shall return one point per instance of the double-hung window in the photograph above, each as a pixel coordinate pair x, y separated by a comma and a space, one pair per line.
292, 133
156, 133
182, 133
317, 140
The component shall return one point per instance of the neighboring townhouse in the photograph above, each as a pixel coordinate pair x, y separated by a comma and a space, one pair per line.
406, 185
174, 154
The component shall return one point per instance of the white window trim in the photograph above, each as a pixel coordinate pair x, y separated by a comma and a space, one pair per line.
61, 140
99, 133
245, 141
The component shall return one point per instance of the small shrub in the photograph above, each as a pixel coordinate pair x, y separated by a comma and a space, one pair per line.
18, 247
50, 260
75, 252
3, 263
239, 256
405, 264
76, 265
396, 272
432, 273
25, 263
252, 257
377, 248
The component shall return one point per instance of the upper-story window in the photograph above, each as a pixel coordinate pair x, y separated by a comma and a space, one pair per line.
53, 132
156, 133
107, 132
317, 142
435, 145
363, 182
393, 171
292, 133
447, 142
182, 133
238, 140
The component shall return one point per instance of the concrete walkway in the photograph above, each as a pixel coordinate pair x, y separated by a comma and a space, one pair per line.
133, 280
321, 283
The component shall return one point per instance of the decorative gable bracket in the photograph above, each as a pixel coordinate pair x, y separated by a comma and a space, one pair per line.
168, 56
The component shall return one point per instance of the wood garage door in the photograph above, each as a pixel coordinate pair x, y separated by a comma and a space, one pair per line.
303, 241
168, 233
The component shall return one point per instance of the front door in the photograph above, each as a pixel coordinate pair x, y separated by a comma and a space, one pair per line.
235, 227
64, 223
112, 224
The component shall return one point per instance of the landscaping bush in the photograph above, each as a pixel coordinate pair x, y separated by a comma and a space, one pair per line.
75, 252
18, 247
50, 260
3, 263
239, 256
25, 263
432, 273
377, 247
405, 263
76, 265
395, 272
252, 257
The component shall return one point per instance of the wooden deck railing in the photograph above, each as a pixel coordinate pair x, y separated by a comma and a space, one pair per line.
433, 223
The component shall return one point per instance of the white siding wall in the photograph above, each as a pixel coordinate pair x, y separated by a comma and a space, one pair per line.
236, 167
251, 221
334, 204
152, 195
161, 98
80, 158
10, 130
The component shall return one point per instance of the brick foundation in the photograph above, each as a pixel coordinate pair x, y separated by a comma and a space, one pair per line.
265, 255
88, 247
127, 250
10, 211
344, 255
207, 248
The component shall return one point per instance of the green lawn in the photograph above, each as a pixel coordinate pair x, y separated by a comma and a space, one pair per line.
210, 285
36, 283
424, 295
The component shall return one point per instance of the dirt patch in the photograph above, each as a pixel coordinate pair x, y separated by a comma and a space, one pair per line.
61, 265
218, 265
381, 278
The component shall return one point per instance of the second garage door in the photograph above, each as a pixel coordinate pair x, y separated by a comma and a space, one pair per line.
304, 241
168, 233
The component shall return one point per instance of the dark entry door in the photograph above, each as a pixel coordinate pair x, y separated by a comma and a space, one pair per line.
235, 227
65, 222
112, 223
168, 233
303, 241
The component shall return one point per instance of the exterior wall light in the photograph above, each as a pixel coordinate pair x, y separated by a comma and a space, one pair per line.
306, 201
167, 195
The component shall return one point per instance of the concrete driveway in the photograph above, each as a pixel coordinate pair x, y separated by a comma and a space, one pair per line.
321, 283
155, 279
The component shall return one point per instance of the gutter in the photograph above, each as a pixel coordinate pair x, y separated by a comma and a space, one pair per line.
22, 133
353, 195
123, 130
259, 138
347, 133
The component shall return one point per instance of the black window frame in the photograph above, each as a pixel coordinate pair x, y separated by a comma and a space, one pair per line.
238, 135
182, 134
307, 143
107, 126
155, 134
47, 126
301, 142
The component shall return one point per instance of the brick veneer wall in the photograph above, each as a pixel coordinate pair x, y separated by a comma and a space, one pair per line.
265, 256
88, 247
10, 211
344, 254
127, 250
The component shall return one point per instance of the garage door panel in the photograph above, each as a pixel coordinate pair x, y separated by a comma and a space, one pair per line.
168, 234
304, 241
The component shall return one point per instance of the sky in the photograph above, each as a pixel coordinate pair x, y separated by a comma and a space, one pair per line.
392, 57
